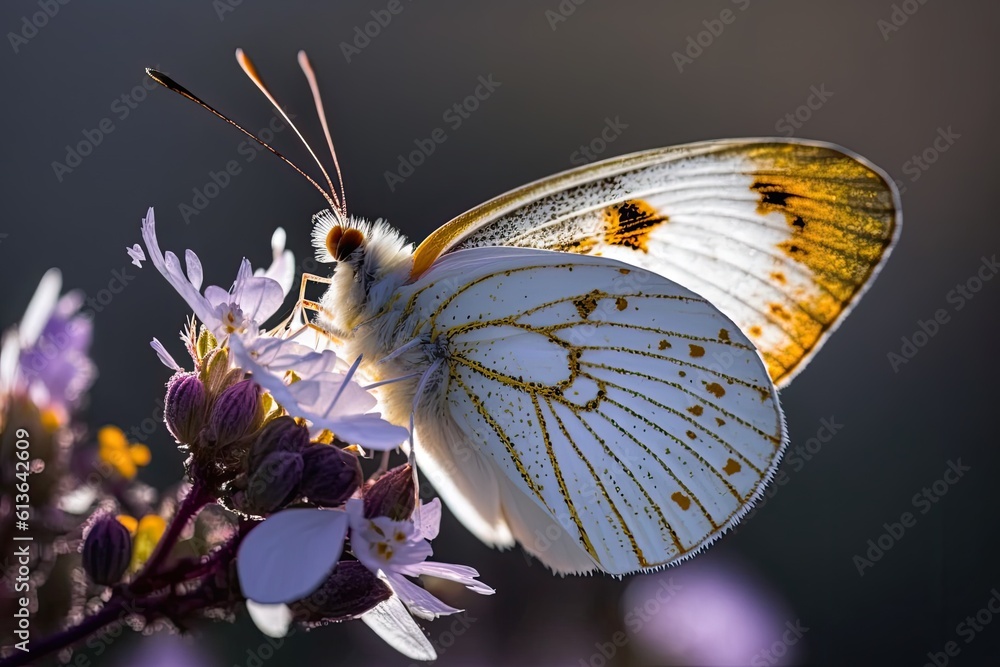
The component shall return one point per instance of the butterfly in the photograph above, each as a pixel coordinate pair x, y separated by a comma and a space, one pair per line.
590, 364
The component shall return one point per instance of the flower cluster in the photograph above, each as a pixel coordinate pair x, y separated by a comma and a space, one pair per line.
45, 372
274, 429
274, 433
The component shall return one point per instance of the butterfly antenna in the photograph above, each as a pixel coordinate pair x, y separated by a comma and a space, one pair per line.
254, 75
318, 100
170, 84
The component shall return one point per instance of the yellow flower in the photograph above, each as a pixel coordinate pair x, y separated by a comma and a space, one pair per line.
146, 534
115, 450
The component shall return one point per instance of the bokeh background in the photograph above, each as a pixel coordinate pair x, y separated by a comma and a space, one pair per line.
785, 587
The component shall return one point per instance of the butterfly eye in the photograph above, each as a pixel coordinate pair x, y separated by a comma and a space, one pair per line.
340, 242
333, 240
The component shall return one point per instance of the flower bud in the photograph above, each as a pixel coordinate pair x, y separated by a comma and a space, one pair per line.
274, 483
394, 495
107, 551
331, 475
282, 434
184, 407
235, 412
351, 590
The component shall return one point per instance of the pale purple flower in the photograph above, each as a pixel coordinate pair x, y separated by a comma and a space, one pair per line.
241, 309
165, 357
323, 392
282, 269
706, 612
137, 255
272, 573
328, 398
47, 354
166, 650
399, 549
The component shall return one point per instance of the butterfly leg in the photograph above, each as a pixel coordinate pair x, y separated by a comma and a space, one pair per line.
302, 305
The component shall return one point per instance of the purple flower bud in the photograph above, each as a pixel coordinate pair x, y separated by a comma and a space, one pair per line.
184, 407
394, 495
279, 435
235, 412
107, 551
351, 590
274, 483
331, 475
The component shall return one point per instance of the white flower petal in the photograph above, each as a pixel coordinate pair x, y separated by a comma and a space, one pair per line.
271, 619
463, 574
194, 270
290, 554
390, 621
40, 308
418, 600
331, 396
428, 519
164, 356
169, 268
245, 356
216, 296
78, 500
259, 298
282, 269
10, 354
137, 255
370, 431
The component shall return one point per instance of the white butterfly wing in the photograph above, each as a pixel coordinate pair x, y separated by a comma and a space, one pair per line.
782, 236
608, 397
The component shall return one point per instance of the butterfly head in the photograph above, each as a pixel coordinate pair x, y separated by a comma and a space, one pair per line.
372, 259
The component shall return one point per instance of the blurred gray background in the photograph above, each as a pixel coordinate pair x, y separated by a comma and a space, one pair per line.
895, 77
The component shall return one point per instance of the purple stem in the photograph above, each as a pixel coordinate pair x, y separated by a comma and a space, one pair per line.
196, 499
112, 612
118, 607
